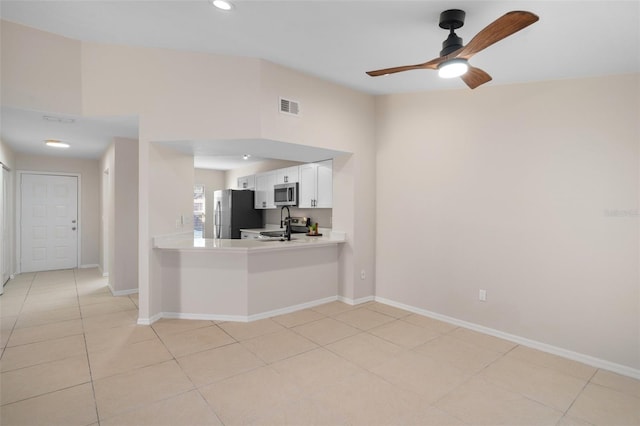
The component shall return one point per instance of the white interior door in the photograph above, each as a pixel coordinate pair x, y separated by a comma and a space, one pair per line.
49, 222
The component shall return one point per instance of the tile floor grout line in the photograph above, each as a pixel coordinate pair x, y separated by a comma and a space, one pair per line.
195, 387
506, 388
45, 393
21, 368
4, 347
86, 348
578, 394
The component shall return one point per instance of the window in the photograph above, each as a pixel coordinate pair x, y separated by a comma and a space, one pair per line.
198, 211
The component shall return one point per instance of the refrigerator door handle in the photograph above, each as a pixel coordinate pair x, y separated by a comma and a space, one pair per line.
216, 219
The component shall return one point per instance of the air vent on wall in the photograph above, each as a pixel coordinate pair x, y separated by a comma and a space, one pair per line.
290, 107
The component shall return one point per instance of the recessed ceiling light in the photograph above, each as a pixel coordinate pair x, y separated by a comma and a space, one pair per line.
222, 4
54, 143
246, 156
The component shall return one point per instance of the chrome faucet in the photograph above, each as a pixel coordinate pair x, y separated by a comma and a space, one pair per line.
287, 220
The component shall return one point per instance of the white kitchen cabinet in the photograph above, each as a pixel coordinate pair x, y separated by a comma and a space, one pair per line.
247, 182
287, 175
264, 190
316, 185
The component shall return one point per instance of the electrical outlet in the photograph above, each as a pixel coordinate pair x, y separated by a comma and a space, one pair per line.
482, 295
362, 275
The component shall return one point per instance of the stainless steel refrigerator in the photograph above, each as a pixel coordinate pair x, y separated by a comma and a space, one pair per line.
234, 210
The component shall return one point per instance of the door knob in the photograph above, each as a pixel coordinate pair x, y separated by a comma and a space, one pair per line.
73, 229
73, 221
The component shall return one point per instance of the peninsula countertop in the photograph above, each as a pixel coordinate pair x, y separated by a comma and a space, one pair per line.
186, 242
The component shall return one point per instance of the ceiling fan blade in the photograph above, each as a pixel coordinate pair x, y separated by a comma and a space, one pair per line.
474, 77
502, 27
431, 65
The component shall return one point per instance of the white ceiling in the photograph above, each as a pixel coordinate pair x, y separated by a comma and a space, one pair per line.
25, 131
340, 40
223, 154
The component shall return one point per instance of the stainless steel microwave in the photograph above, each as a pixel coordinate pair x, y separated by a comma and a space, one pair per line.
285, 194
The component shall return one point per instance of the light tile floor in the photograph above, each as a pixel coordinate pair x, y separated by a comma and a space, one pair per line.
73, 355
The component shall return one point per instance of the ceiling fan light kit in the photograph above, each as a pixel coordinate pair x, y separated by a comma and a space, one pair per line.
454, 56
453, 68
222, 4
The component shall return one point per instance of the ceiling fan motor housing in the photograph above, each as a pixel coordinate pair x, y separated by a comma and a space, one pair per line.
451, 20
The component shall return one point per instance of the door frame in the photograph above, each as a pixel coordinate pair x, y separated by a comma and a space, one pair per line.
19, 174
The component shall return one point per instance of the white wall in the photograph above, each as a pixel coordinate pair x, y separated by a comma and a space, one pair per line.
176, 99
170, 198
90, 190
107, 227
336, 118
119, 166
40, 70
7, 156
511, 189
126, 215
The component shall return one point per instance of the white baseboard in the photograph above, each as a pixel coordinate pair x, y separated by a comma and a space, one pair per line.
237, 318
290, 309
89, 265
354, 302
150, 320
544, 347
123, 292
102, 272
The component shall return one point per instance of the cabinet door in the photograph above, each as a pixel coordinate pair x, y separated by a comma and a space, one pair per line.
270, 182
260, 196
247, 182
281, 176
243, 183
264, 190
324, 185
292, 174
307, 185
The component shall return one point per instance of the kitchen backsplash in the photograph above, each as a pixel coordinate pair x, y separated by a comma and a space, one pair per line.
320, 216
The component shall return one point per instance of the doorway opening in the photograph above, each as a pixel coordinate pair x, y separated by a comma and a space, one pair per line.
199, 211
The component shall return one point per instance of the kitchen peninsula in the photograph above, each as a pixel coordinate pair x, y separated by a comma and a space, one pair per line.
245, 280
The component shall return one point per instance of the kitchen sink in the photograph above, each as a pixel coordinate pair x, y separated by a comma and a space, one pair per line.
275, 234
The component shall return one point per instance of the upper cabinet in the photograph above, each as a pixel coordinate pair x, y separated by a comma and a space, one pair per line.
316, 185
287, 175
264, 190
247, 182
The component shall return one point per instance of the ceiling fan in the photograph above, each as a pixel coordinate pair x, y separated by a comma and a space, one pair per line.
454, 56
